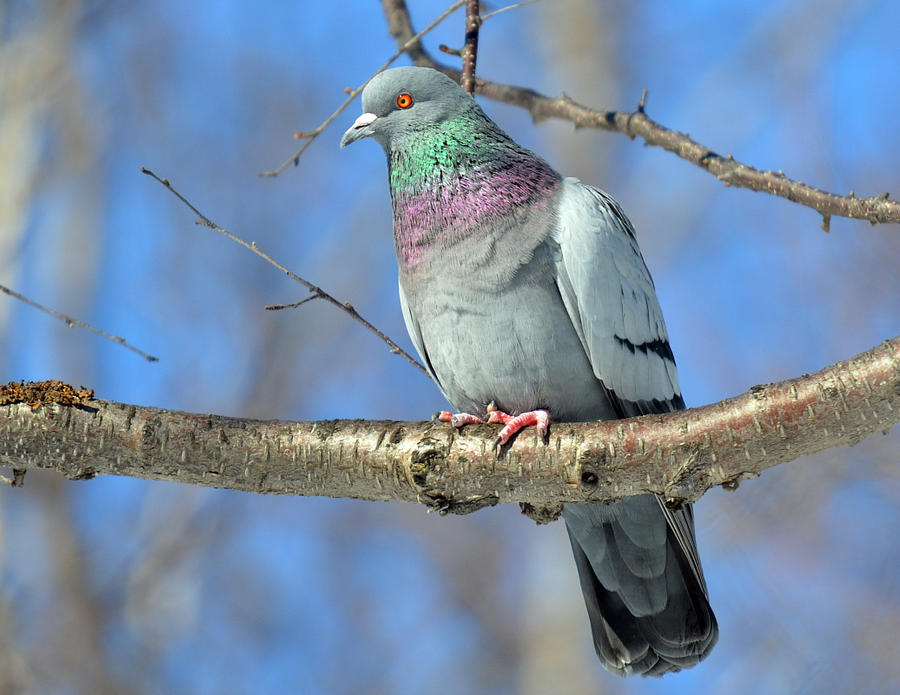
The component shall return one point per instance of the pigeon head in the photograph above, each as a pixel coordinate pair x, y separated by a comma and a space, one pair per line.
453, 173
403, 101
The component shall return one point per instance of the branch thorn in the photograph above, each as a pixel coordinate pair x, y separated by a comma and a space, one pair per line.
643, 102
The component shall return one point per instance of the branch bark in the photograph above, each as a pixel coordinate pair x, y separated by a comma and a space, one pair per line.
470, 49
678, 455
875, 209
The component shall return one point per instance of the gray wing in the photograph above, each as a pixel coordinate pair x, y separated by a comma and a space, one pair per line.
610, 298
637, 560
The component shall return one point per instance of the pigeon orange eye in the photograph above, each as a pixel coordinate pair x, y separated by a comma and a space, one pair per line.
404, 101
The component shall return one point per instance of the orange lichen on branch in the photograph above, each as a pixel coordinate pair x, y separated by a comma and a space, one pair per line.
37, 393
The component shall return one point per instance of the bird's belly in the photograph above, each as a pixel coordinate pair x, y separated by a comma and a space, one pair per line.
517, 349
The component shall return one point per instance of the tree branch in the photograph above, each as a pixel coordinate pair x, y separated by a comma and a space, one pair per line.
875, 209
311, 135
317, 292
679, 455
71, 321
470, 49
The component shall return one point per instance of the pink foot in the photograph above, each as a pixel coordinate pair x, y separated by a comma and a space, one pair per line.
514, 423
458, 419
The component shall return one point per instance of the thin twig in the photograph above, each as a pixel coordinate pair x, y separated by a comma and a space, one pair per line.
470, 49
311, 135
69, 321
292, 305
317, 291
875, 209
514, 6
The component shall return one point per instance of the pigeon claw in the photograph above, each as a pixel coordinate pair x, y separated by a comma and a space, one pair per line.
462, 419
458, 419
513, 423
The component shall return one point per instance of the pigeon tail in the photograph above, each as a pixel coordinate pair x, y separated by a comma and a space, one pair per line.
644, 591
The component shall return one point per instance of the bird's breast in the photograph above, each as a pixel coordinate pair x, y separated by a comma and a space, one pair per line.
512, 344
481, 203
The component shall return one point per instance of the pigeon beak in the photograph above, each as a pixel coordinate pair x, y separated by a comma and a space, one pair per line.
360, 129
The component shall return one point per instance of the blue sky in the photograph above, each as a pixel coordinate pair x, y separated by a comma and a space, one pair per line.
212, 591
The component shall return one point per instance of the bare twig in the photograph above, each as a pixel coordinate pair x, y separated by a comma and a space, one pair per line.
316, 290
679, 455
408, 44
875, 209
69, 321
292, 305
470, 49
514, 6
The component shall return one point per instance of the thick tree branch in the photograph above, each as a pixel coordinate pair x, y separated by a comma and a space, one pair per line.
678, 455
879, 208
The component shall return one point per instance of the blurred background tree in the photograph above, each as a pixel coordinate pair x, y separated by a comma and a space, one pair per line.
126, 586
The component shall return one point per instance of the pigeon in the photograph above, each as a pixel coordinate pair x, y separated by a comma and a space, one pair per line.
528, 301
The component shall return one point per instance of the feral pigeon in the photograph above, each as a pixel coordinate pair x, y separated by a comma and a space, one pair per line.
528, 300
